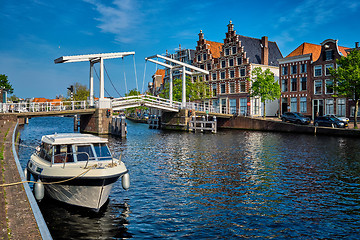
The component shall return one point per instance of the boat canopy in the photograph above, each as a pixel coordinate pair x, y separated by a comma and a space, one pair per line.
72, 138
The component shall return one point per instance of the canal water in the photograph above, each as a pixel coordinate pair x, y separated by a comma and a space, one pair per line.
229, 185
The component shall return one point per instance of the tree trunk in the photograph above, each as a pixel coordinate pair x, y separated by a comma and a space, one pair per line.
356, 113
264, 114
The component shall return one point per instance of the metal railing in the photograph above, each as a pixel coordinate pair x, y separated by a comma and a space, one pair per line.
216, 109
145, 100
42, 106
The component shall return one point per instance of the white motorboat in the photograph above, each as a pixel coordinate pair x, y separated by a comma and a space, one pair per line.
77, 169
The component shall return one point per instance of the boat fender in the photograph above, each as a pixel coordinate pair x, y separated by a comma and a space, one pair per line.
39, 190
125, 180
27, 174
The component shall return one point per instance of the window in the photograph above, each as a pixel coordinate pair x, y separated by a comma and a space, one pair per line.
63, 153
327, 69
84, 153
215, 104
318, 86
293, 69
352, 112
303, 68
204, 56
209, 67
317, 70
284, 85
239, 61
303, 84
328, 55
256, 106
293, 104
232, 87
284, 70
102, 151
231, 62
232, 106
329, 106
303, 108
242, 72
222, 75
293, 86
223, 64
232, 73
214, 76
46, 151
340, 109
214, 90
199, 58
233, 50
222, 88
227, 52
243, 106
242, 86
329, 86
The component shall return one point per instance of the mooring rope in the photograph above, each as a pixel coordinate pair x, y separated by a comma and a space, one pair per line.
49, 183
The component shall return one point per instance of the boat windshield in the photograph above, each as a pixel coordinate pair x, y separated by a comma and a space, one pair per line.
63, 153
102, 151
84, 153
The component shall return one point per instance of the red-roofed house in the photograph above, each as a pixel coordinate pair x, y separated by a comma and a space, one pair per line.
305, 81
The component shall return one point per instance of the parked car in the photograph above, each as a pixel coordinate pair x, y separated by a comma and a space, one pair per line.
295, 117
327, 121
344, 119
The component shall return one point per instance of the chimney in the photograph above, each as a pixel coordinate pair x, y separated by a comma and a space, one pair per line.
356, 44
264, 51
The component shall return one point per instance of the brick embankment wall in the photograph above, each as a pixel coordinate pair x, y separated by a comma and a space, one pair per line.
16, 217
258, 124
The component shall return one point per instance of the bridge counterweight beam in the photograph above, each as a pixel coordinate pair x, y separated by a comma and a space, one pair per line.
171, 87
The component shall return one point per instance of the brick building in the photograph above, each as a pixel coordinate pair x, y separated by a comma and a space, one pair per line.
305, 82
230, 64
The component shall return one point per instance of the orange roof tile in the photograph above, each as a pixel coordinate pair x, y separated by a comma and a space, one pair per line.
215, 48
307, 48
315, 49
40, 100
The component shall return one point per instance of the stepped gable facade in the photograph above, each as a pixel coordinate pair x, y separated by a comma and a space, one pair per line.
230, 64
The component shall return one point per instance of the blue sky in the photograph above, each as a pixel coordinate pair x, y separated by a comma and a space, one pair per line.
35, 32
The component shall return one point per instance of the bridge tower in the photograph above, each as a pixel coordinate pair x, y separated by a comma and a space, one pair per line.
98, 122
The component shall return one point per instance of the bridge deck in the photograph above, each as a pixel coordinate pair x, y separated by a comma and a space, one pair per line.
52, 113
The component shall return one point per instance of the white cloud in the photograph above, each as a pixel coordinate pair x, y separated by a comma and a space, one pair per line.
120, 18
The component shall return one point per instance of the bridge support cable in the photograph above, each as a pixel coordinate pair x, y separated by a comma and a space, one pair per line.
126, 90
111, 82
99, 80
142, 90
137, 87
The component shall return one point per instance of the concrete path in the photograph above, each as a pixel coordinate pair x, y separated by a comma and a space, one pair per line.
16, 217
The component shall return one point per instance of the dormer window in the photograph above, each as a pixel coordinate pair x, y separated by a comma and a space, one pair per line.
328, 55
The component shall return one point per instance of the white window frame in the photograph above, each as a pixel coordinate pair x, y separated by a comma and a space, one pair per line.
341, 107
317, 67
292, 68
329, 106
291, 85
222, 88
321, 87
301, 84
232, 87
303, 68
242, 70
326, 88
327, 66
303, 105
293, 104
222, 75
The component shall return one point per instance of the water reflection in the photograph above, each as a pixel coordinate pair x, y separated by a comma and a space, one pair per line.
233, 184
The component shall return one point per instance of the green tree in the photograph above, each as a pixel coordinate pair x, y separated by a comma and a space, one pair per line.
264, 86
132, 92
13, 98
4, 83
198, 90
81, 92
347, 79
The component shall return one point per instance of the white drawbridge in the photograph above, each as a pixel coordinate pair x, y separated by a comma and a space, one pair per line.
146, 101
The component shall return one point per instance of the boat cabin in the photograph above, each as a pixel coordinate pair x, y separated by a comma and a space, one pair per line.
74, 147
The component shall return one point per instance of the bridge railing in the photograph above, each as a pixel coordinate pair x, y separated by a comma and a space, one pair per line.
216, 109
42, 106
145, 100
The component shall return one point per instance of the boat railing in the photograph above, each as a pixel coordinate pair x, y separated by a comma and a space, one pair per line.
69, 157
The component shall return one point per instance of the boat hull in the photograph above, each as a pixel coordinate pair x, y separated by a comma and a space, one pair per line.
89, 192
